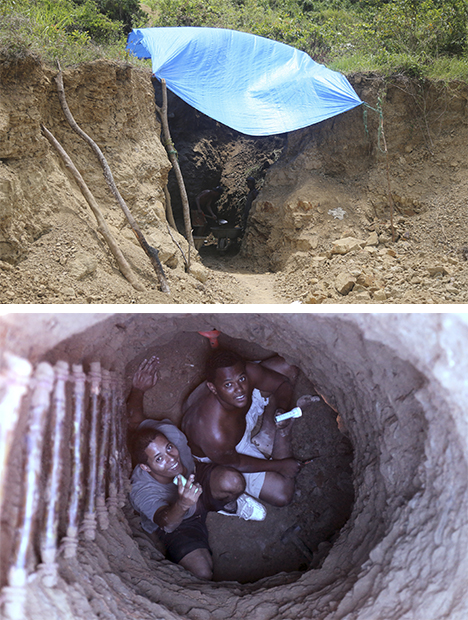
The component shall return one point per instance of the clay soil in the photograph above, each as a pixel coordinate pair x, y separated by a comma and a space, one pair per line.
318, 185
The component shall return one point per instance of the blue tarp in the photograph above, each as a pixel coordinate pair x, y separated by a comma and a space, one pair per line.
254, 85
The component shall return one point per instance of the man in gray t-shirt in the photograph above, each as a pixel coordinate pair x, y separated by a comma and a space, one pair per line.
148, 495
173, 498
171, 493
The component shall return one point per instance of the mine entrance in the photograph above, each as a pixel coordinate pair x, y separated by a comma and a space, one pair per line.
293, 538
409, 471
210, 155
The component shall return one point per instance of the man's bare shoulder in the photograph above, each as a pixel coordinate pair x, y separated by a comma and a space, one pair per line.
195, 397
199, 407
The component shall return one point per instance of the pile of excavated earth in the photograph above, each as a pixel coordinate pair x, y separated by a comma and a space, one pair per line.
347, 213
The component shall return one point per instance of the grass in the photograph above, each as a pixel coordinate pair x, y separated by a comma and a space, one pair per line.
59, 30
25, 30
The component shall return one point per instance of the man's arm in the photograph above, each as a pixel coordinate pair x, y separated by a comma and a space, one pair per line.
170, 517
144, 379
276, 386
219, 449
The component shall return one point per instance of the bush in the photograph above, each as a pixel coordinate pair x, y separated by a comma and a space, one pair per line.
424, 27
59, 29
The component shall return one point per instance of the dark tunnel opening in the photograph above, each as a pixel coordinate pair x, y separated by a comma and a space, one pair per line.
211, 154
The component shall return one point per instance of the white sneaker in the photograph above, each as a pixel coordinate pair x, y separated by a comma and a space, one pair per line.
248, 509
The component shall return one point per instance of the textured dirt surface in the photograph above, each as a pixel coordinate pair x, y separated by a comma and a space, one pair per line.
318, 185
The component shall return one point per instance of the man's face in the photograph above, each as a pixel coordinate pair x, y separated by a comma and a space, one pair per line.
232, 386
163, 460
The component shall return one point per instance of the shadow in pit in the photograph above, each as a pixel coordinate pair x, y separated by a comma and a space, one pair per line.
297, 537
292, 539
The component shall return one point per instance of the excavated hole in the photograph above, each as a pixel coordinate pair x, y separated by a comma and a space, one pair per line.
408, 469
285, 541
212, 154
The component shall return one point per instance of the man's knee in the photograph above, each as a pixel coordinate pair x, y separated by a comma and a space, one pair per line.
199, 562
283, 498
227, 482
204, 571
277, 492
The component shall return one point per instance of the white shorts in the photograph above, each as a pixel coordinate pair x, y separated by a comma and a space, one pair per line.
253, 482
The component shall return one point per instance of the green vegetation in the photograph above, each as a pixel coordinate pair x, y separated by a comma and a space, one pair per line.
419, 38
71, 31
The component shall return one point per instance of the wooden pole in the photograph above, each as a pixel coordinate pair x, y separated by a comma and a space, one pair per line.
102, 225
151, 252
89, 521
124, 466
15, 593
69, 543
103, 465
49, 566
167, 140
112, 500
169, 213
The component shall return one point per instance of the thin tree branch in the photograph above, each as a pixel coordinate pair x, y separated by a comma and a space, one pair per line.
169, 213
151, 252
102, 225
172, 153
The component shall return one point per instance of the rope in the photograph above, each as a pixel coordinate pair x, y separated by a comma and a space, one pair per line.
379, 111
170, 148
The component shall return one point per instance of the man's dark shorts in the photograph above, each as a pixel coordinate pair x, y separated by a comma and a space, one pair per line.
192, 533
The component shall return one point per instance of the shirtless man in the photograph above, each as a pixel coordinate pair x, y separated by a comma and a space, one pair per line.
206, 202
220, 415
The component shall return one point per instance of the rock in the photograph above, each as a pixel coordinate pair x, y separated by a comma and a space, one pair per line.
437, 269
344, 283
199, 272
67, 291
369, 281
314, 298
380, 295
343, 246
362, 296
372, 239
82, 266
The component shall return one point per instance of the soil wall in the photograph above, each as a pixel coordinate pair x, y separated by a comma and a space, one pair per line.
318, 185
333, 179
50, 250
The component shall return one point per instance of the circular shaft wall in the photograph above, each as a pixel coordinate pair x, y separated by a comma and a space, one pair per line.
399, 384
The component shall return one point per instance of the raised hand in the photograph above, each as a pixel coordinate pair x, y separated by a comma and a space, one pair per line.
146, 376
188, 492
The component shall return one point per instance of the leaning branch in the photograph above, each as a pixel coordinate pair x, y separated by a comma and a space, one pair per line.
151, 252
102, 226
172, 153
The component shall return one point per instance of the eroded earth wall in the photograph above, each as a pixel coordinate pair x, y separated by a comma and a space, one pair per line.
399, 384
334, 178
50, 248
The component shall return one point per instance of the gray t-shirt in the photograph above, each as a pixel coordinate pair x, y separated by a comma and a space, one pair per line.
147, 495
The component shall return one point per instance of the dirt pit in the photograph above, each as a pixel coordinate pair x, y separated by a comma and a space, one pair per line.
294, 538
320, 231
398, 382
